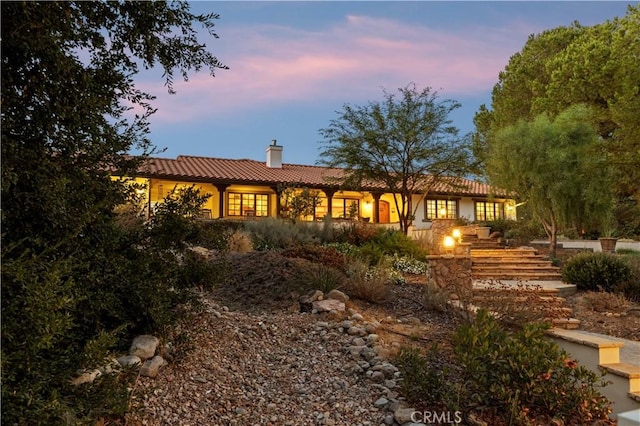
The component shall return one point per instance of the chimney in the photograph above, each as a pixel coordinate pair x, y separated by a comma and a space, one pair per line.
274, 155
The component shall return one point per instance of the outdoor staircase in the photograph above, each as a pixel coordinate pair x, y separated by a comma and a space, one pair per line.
521, 264
521, 279
619, 358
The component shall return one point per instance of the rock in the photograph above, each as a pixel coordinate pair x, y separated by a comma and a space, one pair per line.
316, 295
358, 341
144, 346
129, 360
368, 353
151, 366
403, 415
353, 331
377, 377
87, 377
390, 384
388, 420
372, 338
355, 351
357, 317
337, 295
381, 402
327, 305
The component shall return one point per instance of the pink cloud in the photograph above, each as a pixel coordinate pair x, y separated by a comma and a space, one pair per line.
345, 63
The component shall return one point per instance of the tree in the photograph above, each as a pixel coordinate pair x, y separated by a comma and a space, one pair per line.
595, 66
405, 142
73, 279
556, 167
297, 203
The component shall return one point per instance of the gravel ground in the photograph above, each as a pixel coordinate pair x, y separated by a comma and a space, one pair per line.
252, 368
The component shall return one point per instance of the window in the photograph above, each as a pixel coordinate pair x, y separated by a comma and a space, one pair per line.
487, 211
345, 208
247, 204
441, 209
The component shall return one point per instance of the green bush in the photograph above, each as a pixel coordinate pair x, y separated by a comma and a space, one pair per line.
594, 271
630, 288
425, 379
524, 376
392, 241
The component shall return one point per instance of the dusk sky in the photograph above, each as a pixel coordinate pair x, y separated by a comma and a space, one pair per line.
292, 65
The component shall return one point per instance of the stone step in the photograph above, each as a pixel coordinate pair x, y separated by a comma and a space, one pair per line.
547, 288
630, 418
516, 296
565, 323
504, 253
508, 260
525, 267
524, 276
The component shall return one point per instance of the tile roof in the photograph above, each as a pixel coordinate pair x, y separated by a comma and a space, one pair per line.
230, 171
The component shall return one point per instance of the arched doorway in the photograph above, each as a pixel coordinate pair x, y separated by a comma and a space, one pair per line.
383, 212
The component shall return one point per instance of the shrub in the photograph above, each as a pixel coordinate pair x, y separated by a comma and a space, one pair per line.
354, 232
239, 242
408, 265
593, 271
325, 255
325, 278
524, 375
435, 298
365, 282
630, 288
425, 378
391, 242
270, 233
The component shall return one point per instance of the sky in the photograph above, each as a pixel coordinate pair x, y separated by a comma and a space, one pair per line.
294, 65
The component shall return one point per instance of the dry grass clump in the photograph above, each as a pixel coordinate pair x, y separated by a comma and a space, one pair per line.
365, 283
601, 301
239, 242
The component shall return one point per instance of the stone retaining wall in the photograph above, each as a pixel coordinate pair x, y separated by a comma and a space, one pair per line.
451, 273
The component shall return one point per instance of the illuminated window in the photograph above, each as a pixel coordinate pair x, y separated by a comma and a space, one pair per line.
441, 209
247, 204
345, 208
487, 211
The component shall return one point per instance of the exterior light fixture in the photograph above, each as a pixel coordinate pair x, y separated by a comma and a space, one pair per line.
449, 242
443, 212
457, 235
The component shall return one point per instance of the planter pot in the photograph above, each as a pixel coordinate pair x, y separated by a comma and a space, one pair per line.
608, 245
482, 232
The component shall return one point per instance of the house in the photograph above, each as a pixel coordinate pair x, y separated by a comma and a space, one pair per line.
252, 189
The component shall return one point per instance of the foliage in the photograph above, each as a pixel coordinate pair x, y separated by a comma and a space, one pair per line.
435, 298
297, 203
325, 255
593, 271
75, 278
523, 375
424, 377
272, 233
398, 141
630, 288
172, 223
325, 278
355, 233
408, 265
365, 282
550, 164
573, 65
390, 242
240, 242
